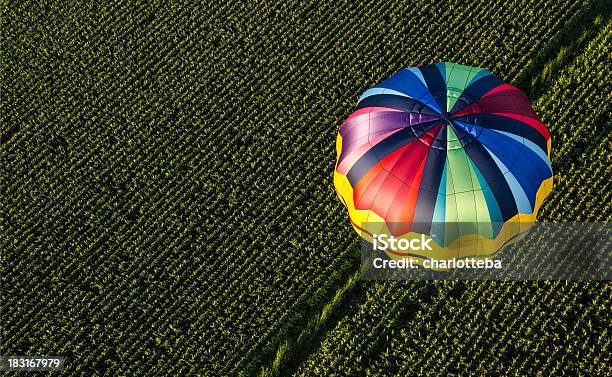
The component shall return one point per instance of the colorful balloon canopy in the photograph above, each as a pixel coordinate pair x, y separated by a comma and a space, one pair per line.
440, 144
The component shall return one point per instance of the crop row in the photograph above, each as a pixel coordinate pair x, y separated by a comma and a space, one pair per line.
493, 327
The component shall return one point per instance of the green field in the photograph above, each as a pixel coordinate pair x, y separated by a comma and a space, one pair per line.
168, 205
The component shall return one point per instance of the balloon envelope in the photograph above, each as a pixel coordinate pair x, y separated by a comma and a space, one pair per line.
439, 145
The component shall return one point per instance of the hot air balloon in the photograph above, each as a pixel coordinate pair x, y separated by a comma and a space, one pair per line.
447, 151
